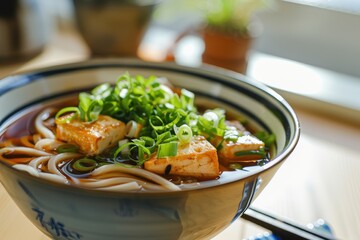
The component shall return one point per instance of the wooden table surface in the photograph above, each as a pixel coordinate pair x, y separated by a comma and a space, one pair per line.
319, 180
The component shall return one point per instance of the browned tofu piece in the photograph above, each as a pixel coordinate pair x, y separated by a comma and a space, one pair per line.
92, 137
197, 159
237, 125
227, 153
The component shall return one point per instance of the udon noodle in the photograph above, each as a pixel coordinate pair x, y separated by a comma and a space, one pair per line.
27, 154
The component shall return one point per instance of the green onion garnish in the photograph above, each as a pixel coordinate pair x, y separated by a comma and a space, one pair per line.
167, 149
235, 166
67, 147
267, 138
131, 129
139, 150
159, 109
212, 117
69, 117
84, 165
184, 134
260, 152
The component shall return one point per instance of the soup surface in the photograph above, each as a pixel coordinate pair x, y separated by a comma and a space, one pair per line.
136, 134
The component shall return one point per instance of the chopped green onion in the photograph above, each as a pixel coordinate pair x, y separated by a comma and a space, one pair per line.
187, 97
149, 143
260, 152
103, 90
124, 148
140, 146
131, 129
123, 141
206, 127
175, 101
143, 151
158, 109
167, 149
84, 165
171, 139
94, 111
267, 138
166, 89
192, 119
235, 166
162, 137
213, 117
184, 134
156, 123
67, 147
70, 117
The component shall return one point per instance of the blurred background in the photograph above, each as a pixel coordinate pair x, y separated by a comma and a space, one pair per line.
323, 33
302, 48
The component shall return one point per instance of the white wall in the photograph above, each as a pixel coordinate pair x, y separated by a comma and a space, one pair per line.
312, 35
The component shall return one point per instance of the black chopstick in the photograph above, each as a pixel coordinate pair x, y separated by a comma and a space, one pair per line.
283, 228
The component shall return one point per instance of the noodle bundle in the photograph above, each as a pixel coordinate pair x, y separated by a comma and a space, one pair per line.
41, 160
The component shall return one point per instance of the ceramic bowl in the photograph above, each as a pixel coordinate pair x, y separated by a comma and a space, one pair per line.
65, 212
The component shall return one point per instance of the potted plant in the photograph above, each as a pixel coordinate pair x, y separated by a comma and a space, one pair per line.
226, 28
228, 32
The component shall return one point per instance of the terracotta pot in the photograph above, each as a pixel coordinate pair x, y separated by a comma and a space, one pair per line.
226, 50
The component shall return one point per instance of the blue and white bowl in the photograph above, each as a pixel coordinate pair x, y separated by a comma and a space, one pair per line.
66, 212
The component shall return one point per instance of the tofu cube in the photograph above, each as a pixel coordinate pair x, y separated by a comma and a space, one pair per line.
197, 159
228, 150
92, 137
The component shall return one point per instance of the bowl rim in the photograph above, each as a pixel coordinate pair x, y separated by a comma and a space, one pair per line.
22, 78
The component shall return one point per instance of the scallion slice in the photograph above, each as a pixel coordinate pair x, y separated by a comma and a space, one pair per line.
235, 166
260, 152
67, 147
184, 134
213, 117
167, 149
131, 129
69, 117
267, 138
84, 165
